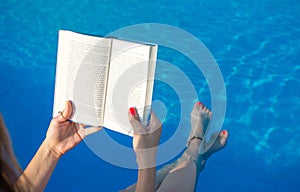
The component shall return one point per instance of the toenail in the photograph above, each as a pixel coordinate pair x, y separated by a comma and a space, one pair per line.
199, 103
224, 132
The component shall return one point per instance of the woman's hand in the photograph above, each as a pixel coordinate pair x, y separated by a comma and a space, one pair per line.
63, 134
145, 139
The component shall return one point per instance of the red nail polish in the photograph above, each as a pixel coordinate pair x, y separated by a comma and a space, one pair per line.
132, 111
224, 132
199, 103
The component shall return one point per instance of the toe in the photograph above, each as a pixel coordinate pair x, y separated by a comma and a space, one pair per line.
198, 103
224, 133
197, 107
223, 137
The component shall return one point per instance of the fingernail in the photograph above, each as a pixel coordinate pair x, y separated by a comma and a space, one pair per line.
223, 132
132, 111
199, 103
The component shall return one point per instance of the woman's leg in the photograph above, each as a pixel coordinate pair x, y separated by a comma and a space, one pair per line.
183, 176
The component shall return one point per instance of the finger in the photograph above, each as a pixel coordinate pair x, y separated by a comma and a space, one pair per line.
134, 113
135, 121
155, 123
68, 110
60, 118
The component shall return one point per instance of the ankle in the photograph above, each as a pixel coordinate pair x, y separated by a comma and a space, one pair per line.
195, 140
193, 149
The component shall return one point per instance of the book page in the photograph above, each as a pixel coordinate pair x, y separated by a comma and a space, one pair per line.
127, 83
81, 75
150, 81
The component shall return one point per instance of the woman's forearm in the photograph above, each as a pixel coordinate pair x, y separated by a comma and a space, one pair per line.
40, 168
146, 180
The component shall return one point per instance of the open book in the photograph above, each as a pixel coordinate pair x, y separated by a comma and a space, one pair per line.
104, 77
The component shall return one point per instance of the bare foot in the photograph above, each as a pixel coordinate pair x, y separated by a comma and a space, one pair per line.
219, 144
200, 118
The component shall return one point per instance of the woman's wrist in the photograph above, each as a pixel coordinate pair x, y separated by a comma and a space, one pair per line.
146, 158
53, 150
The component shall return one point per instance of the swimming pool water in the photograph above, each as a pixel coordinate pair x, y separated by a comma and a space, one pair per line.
255, 43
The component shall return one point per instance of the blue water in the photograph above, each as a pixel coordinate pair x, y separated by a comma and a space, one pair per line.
256, 44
